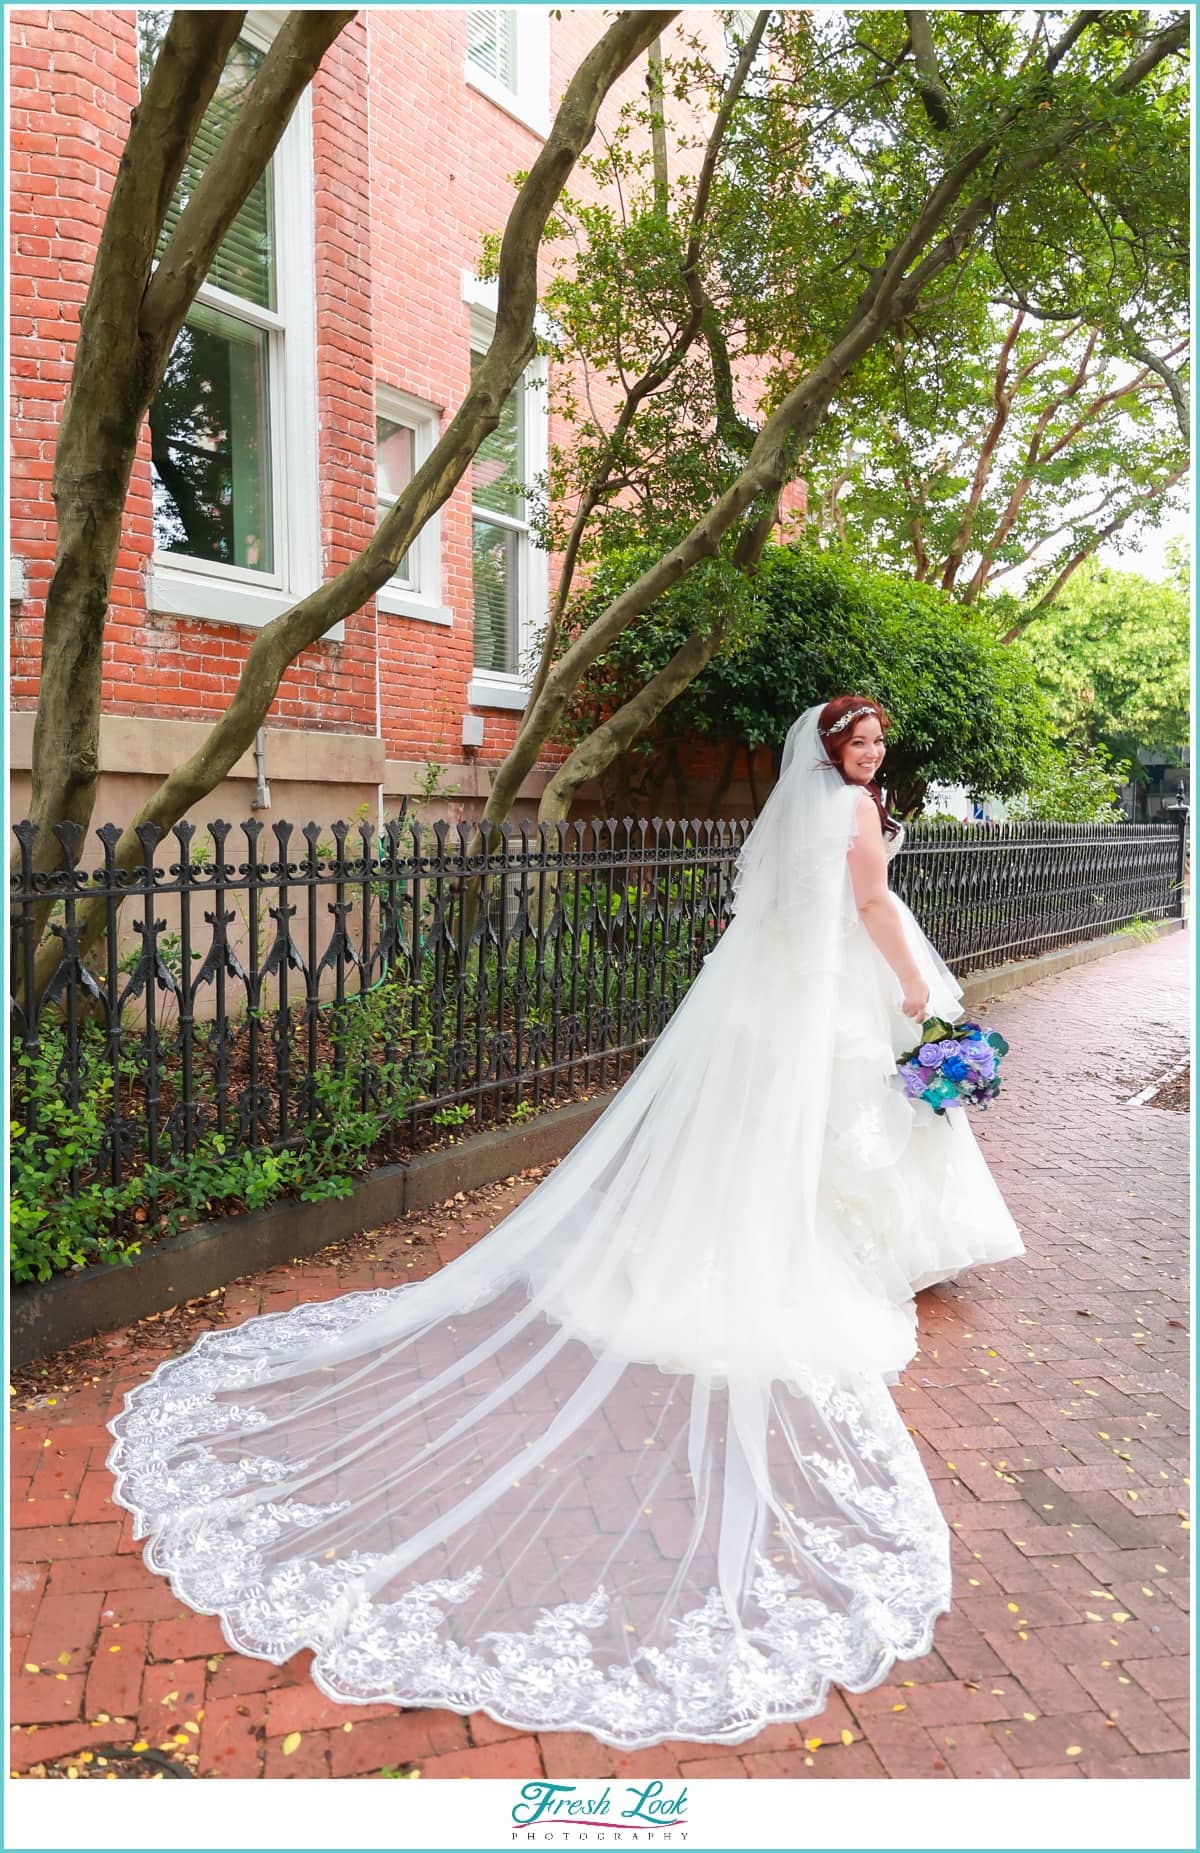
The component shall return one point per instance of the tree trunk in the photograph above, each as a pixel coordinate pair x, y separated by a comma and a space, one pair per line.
906, 795
618, 732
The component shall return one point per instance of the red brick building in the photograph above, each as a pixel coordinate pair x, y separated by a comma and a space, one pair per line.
329, 343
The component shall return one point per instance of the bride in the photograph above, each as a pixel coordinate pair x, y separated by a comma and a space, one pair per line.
630, 1465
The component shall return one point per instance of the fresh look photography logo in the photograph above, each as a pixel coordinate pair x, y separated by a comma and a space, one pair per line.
622, 1814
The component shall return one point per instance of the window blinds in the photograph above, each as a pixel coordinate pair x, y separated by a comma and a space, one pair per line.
245, 263
491, 42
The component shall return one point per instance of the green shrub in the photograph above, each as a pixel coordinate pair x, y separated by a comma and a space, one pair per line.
814, 623
53, 1228
1078, 784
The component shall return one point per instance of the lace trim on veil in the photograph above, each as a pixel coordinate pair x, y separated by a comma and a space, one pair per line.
717, 1681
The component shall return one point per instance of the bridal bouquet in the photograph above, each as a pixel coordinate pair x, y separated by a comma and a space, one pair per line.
953, 1064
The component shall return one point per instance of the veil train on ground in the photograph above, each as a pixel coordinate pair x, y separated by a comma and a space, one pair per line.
630, 1465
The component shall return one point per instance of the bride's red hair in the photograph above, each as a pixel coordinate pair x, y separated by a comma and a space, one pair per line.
835, 743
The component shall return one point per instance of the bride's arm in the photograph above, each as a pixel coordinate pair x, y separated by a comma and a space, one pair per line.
868, 876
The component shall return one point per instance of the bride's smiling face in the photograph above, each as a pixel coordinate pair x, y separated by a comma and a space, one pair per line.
863, 753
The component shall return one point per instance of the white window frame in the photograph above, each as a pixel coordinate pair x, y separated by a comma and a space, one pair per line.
529, 102
493, 688
180, 586
423, 599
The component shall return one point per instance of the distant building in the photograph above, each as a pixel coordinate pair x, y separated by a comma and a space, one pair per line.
1165, 782
955, 801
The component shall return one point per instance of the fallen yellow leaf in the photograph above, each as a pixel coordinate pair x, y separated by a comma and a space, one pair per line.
291, 1742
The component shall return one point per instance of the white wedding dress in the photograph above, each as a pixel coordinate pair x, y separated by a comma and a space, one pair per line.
909, 1188
630, 1465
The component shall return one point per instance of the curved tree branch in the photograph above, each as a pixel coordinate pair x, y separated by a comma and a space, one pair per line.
1002, 398
930, 87
657, 375
1166, 373
1094, 541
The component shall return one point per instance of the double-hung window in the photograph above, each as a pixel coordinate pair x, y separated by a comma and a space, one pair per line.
509, 568
233, 424
508, 59
406, 430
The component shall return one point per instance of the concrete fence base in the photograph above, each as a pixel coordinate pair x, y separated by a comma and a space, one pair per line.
49, 1315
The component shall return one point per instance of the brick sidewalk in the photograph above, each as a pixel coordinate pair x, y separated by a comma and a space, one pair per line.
1048, 1401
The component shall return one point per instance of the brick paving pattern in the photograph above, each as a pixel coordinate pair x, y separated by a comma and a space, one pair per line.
1048, 1401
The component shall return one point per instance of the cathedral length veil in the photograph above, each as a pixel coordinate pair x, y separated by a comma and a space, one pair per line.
630, 1465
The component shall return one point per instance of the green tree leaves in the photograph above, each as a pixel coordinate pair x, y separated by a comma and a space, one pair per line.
1111, 657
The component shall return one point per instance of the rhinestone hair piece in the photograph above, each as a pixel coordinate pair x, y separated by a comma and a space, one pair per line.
855, 714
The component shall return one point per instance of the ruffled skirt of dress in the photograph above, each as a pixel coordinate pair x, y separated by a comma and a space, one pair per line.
910, 1188
629, 1465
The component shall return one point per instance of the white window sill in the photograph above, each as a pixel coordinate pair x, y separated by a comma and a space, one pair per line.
498, 694
522, 109
400, 604
221, 601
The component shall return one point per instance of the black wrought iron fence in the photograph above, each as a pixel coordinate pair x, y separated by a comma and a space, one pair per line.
258, 990
986, 893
